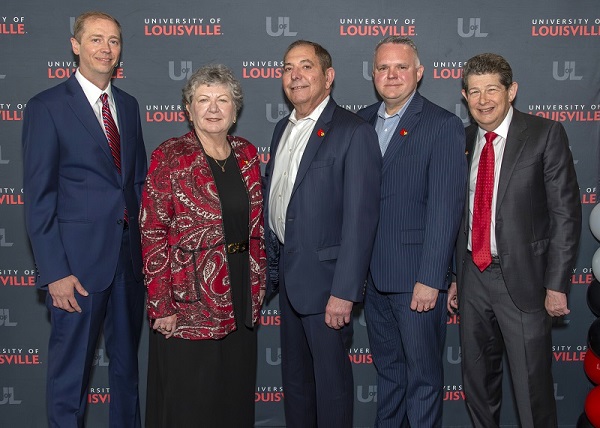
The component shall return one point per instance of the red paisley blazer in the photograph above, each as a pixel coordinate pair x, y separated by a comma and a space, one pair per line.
183, 243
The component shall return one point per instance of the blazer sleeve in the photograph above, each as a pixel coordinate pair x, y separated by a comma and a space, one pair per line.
141, 160
41, 160
156, 213
564, 209
447, 175
361, 193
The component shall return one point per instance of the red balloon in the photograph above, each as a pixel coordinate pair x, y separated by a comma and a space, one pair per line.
592, 406
591, 365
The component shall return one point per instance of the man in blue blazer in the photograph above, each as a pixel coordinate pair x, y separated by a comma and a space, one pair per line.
422, 194
81, 212
322, 208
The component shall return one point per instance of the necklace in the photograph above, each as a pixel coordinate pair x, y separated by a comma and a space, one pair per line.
222, 166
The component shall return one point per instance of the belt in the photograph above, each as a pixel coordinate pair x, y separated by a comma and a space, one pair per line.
495, 259
236, 247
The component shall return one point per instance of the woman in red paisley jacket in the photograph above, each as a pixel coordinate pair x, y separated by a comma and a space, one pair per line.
204, 263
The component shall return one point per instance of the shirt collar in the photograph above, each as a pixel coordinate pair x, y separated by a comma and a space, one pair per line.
383, 115
314, 115
91, 91
501, 130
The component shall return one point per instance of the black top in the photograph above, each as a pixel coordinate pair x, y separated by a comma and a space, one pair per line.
235, 209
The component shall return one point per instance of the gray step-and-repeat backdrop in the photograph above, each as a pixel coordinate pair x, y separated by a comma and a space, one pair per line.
552, 45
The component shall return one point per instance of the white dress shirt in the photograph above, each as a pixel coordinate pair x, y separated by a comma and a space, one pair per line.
499, 146
287, 161
92, 93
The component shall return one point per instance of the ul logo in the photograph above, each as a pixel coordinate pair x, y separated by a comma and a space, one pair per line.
473, 29
361, 318
568, 72
5, 318
462, 113
3, 161
556, 396
72, 24
282, 29
273, 358
367, 71
368, 395
453, 357
282, 111
3, 242
8, 396
575, 162
183, 72
100, 359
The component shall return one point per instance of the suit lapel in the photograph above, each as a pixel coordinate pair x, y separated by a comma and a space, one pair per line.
471, 139
373, 118
515, 142
81, 108
407, 124
279, 130
123, 118
315, 141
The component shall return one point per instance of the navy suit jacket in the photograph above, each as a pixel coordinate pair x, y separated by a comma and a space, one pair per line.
422, 195
538, 211
332, 215
74, 196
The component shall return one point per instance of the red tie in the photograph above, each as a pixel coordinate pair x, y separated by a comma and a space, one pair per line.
112, 133
114, 140
482, 206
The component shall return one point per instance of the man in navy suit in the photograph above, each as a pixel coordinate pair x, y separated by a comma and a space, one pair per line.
322, 208
514, 264
81, 212
422, 194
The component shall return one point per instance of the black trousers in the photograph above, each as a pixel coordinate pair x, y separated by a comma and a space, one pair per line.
490, 324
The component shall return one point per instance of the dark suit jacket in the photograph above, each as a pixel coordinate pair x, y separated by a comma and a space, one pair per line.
74, 196
538, 211
333, 212
422, 195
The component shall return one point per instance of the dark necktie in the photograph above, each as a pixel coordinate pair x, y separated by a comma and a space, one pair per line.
114, 140
482, 205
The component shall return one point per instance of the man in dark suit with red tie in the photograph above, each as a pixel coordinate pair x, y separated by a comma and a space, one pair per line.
516, 247
84, 167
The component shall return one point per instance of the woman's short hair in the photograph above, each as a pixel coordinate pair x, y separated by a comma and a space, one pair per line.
214, 74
